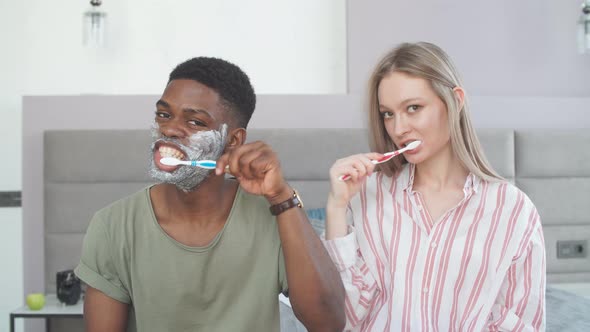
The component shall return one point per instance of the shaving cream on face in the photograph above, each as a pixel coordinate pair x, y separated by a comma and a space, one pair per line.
202, 145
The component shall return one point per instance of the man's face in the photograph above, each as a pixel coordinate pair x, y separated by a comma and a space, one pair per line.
190, 124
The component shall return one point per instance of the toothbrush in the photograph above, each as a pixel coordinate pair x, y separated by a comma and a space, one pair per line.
170, 161
388, 156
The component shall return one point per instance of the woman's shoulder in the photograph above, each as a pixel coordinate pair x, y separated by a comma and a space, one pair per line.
510, 192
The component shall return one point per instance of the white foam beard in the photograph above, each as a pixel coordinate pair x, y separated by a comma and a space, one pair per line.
203, 145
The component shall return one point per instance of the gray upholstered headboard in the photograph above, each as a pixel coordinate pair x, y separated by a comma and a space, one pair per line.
87, 169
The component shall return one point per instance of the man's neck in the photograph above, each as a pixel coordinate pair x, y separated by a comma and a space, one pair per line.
210, 202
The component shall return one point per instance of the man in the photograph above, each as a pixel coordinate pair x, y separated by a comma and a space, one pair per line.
200, 251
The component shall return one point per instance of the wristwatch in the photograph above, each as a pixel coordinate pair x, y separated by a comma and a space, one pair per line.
293, 201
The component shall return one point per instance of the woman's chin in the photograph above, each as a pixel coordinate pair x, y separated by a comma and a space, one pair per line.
413, 159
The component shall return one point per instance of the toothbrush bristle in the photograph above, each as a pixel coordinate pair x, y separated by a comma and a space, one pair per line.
169, 161
414, 145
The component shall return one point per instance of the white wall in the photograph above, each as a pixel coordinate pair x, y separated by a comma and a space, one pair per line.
11, 87
285, 46
502, 48
289, 47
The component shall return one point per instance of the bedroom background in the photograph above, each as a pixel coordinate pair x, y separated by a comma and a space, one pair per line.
519, 60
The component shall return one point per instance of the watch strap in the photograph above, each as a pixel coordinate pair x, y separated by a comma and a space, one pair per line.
293, 201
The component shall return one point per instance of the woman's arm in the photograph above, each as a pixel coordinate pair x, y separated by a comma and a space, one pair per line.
340, 238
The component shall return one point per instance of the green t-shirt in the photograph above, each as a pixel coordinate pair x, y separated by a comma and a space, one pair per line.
230, 285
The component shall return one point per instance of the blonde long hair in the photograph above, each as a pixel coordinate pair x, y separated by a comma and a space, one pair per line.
430, 62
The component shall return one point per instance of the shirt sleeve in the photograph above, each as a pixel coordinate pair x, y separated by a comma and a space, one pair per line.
97, 267
360, 286
520, 305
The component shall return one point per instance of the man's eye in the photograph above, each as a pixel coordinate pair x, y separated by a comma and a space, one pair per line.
162, 115
197, 123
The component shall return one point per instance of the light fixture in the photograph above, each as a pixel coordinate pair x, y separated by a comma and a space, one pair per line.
584, 28
94, 25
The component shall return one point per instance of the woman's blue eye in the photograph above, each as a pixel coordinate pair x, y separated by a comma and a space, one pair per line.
387, 115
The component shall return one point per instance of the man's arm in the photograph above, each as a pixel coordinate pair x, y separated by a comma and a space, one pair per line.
315, 288
103, 313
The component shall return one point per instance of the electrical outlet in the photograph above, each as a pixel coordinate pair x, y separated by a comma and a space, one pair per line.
572, 249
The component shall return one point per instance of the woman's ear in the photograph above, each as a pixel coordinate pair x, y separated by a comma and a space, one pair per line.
460, 96
236, 138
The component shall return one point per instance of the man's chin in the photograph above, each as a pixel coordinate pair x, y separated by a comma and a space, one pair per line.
184, 184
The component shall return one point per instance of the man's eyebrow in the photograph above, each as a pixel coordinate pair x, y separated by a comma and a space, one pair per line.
162, 103
196, 111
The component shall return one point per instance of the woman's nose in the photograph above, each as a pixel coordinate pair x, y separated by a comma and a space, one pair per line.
400, 126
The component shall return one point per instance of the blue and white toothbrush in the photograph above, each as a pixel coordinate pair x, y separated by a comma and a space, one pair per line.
170, 161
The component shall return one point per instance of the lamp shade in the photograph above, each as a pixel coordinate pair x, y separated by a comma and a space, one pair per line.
94, 25
584, 29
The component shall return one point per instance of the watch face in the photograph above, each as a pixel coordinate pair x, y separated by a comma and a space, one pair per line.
298, 198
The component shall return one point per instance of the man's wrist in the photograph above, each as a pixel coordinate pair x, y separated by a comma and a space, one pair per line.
294, 201
285, 193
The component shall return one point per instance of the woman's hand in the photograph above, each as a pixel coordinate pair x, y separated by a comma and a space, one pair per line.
359, 167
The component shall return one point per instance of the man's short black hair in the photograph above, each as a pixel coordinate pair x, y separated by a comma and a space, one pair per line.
225, 78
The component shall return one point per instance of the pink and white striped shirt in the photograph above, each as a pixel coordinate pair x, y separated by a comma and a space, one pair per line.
481, 266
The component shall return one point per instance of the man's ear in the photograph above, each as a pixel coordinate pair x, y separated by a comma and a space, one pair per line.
460, 96
235, 138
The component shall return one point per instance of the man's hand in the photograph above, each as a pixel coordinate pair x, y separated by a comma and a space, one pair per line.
256, 166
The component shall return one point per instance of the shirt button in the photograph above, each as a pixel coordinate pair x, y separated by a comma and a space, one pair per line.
433, 245
425, 290
419, 207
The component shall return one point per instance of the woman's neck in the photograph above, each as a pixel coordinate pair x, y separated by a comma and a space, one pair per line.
443, 171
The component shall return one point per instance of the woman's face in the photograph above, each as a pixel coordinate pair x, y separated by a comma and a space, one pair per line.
411, 111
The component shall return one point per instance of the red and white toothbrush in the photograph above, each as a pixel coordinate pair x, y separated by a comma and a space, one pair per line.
388, 156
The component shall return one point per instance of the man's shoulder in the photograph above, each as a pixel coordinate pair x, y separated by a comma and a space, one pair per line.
119, 210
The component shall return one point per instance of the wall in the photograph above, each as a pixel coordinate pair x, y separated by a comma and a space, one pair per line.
11, 87
503, 48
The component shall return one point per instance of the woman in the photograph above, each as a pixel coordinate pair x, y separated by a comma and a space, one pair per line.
436, 240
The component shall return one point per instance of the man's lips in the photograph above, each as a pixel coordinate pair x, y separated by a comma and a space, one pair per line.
163, 149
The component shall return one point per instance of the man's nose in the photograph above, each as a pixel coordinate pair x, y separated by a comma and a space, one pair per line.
173, 129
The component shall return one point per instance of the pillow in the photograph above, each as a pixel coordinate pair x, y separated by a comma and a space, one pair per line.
317, 218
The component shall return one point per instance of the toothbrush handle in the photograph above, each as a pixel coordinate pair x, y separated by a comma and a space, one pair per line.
386, 156
347, 176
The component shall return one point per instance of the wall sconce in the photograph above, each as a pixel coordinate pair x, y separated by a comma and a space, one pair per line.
94, 25
584, 28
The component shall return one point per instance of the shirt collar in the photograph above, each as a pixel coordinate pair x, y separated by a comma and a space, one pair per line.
406, 176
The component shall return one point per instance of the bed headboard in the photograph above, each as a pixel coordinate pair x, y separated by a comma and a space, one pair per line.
84, 170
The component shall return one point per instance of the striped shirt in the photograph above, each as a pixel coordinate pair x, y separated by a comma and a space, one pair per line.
481, 266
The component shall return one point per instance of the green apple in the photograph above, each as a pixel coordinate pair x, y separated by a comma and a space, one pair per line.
36, 301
